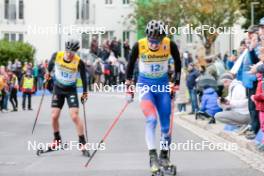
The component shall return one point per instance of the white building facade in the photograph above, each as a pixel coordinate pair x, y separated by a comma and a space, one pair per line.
47, 24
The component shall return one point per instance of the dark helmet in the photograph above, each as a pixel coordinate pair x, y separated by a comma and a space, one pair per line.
72, 45
155, 29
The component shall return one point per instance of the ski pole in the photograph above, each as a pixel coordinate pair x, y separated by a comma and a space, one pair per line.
107, 133
85, 123
45, 83
171, 120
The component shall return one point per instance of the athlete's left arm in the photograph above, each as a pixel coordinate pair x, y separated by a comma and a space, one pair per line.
83, 75
177, 62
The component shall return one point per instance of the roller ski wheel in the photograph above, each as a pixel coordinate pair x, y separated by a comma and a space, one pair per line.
155, 167
167, 167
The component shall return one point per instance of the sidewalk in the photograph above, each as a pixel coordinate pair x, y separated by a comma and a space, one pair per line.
216, 133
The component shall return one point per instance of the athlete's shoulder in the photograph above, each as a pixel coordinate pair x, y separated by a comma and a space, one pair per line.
167, 39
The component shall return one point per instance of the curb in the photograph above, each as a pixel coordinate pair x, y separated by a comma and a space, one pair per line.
218, 129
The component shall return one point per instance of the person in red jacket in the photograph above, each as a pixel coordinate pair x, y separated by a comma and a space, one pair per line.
258, 98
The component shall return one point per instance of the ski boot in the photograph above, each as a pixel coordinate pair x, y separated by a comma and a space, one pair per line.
54, 146
165, 164
154, 166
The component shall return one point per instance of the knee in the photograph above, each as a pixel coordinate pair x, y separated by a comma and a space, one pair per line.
151, 122
55, 116
75, 117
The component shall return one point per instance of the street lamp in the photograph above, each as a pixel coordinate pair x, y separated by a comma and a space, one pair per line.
252, 11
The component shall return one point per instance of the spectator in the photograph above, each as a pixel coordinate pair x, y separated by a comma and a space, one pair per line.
191, 85
104, 53
5, 91
122, 72
127, 49
235, 104
28, 88
35, 74
90, 74
107, 73
114, 47
186, 59
249, 81
209, 106
258, 99
98, 71
210, 67
13, 87
182, 98
94, 46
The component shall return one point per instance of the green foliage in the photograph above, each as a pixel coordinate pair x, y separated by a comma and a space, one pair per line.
9, 51
168, 11
175, 13
245, 6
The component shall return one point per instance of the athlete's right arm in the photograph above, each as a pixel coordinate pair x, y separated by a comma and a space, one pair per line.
50, 67
132, 61
52, 62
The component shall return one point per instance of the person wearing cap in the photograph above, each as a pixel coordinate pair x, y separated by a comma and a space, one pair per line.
210, 67
249, 76
235, 105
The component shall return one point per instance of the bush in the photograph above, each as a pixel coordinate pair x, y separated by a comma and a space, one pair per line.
9, 51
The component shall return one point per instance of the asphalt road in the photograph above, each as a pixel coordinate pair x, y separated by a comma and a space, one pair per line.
125, 154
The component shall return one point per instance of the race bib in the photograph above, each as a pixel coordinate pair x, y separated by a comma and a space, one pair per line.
153, 69
65, 76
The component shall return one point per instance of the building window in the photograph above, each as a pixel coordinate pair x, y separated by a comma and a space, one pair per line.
21, 9
6, 9
20, 37
6, 36
14, 36
82, 10
126, 1
14, 9
108, 2
85, 40
78, 10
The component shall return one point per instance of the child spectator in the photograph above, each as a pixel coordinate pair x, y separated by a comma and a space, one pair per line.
258, 99
209, 106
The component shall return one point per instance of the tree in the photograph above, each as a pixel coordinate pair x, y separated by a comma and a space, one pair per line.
9, 51
245, 8
167, 10
214, 13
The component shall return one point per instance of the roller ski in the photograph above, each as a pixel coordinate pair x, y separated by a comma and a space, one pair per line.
56, 145
155, 166
165, 164
84, 151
